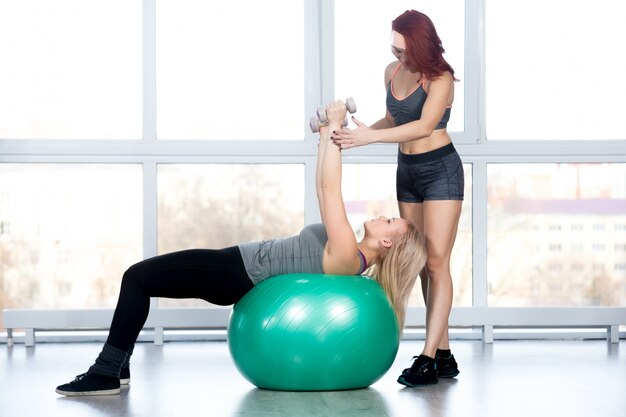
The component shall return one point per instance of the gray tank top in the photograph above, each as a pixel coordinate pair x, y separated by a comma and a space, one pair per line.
301, 253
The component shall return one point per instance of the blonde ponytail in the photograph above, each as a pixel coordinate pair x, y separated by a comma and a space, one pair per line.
398, 270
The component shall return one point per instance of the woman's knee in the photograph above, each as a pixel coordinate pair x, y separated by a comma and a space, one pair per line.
132, 276
437, 266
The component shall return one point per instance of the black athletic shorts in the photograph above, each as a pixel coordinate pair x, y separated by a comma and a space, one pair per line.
434, 175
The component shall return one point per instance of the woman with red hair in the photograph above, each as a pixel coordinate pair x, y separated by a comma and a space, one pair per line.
429, 182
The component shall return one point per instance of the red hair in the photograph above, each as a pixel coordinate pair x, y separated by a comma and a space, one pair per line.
424, 52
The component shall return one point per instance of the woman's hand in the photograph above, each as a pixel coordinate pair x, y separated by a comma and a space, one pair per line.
336, 112
350, 138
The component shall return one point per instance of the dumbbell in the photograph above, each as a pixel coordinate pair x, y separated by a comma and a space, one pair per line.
322, 118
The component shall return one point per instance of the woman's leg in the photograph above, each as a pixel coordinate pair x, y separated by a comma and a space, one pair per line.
414, 212
441, 218
436, 179
439, 221
217, 276
440, 240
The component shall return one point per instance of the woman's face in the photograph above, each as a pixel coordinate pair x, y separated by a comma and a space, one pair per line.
383, 227
398, 46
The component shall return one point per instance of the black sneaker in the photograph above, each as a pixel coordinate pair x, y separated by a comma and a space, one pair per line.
446, 367
422, 372
90, 384
124, 376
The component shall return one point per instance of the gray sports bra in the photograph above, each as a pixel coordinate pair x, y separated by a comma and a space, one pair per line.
410, 108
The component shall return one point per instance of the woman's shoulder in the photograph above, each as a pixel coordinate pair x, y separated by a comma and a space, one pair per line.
315, 228
441, 82
444, 77
389, 70
315, 232
392, 66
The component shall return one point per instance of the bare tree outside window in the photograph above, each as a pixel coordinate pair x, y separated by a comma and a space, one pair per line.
215, 206
69, 232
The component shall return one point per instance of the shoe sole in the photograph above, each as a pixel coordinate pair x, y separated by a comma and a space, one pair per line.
408, 384
113, 391
125, 381
440, 375
449, 375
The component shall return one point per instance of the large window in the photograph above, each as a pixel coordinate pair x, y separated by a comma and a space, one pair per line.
67, 233
557, 234
554, 70
230, 70
70, 69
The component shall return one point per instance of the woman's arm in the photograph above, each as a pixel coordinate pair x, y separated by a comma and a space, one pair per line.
341, 250
321, 151
434, 108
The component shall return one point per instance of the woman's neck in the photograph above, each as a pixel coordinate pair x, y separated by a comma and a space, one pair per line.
369, 249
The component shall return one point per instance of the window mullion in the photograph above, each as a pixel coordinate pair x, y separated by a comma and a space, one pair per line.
149, 71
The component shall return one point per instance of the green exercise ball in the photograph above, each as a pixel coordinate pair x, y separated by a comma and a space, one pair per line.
313, 332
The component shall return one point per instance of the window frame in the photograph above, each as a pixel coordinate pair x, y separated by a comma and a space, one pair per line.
472, 144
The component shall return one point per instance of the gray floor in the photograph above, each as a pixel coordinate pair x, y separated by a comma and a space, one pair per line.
508, 378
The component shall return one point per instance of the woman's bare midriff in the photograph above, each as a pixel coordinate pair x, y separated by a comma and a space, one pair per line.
438, 139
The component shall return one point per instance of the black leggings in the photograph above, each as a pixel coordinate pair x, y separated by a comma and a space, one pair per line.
217, 276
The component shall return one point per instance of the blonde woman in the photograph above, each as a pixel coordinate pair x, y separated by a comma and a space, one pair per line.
223, 276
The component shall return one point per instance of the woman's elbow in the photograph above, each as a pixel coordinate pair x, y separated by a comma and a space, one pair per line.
428, 129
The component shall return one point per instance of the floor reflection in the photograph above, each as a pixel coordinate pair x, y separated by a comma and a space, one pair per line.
364, 403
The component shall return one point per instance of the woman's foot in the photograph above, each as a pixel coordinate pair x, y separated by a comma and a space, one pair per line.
422, 372
90, 384
446, 365
124, 376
